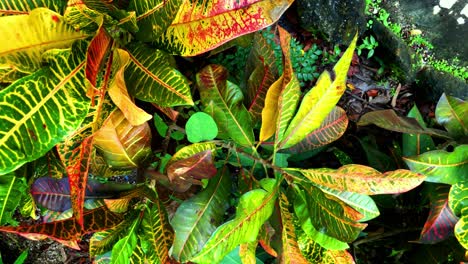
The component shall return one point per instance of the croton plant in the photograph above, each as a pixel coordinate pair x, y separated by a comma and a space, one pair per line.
75, 75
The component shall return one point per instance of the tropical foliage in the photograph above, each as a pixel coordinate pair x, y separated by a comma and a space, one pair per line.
81, 79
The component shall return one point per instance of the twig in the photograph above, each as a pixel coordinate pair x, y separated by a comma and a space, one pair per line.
395, 96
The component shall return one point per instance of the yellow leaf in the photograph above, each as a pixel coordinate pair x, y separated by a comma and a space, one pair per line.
270, 110
319, 101
119, 95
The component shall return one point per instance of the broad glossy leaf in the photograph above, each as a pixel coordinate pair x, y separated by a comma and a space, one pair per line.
331, 129
255, 207
12, 190
98, 51
123, 249
198, 217
200, 127
360, 202
54, 194
441, 166
199, 166
103, 241
452, 113
41, 30
153, 16
270, 110
156, 230
331, 216
416, 144
362, 179
150, 77
16, 7
388, 119
290, 249
202, 26
43, 108
337, 256
461, 228
303, 215
247, 253
118, 91
83, 18
441, 220
123, 145
319, 101
95, 220
458, 197
190, 150
223, 101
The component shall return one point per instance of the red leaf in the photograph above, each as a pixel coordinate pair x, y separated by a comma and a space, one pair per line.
97, 52
199, 166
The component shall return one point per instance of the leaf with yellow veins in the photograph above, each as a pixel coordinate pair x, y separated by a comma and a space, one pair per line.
319, 101
270, 110
118, 91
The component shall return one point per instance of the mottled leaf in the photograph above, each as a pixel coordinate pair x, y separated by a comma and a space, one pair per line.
388, 119
337, 256
362, 179
319, 101
461, 228
103, 241
12, 190
441, 220
40, 30
223, 101
441, 166
123, 145
452, 113
16, 7
198, 217
150, 77
202, 26
458, 197
331, 129
255, 207
43, 108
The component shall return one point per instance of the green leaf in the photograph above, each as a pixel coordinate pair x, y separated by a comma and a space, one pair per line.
255, 207
15, 7
362, 179
416, 144
331, 216
441, 166
223, 101
452, 113
12, 189
153, 17
200, 127
40, 30
461, 228
331, 129
198, 217
123, 249
43, 108
21, 258
190, 150
360, 202
458, 197
103, 241
389, 120
376, 158
319, 101
150, 77
234, 257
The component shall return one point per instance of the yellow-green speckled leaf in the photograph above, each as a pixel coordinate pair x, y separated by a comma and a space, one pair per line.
204, 25
43, 108
16, 7
26, 37
319, 101
150, 77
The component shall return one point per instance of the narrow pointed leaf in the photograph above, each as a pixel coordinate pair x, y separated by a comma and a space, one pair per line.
255, 207
388, 119
290, 249
223, 101
150, 77
200, 26
416, 144
123, 145
153, 17
199, 166
95, 220
452, 113
331, 129
15, 7
441, 220
118, 91
42, 109
156, 230
12, 190
441, 166
123, 249
364, 180
103, 241
41, 30
319, 101
197, 218
331, 216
